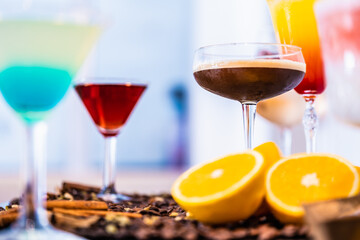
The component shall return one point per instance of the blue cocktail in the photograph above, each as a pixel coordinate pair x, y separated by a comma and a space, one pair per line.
38, 60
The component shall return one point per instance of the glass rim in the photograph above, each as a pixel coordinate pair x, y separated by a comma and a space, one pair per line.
297, 49
110, 80
322, 7
50, 13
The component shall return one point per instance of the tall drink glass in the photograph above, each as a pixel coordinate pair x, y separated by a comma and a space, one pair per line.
42, 45
294, 22
338, 24
248, 73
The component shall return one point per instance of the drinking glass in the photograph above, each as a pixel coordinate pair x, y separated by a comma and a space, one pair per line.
42, 44
248, 73
110, 101
294, 22
286, 111
340, 43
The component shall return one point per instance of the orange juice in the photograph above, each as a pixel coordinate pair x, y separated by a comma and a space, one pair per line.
295, 24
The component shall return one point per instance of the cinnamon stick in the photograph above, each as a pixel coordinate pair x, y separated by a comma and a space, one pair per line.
69, 222
8, 217
77, 204
68, 185
86, 213
11, 210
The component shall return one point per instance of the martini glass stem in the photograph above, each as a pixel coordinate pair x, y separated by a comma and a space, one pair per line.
109, 165
311, 123
34, 172
249, 111
286, 140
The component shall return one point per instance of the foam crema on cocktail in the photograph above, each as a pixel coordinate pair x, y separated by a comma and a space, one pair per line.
250, 81
338, 23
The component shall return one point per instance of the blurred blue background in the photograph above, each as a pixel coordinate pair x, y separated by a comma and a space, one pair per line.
146, 40
176, 123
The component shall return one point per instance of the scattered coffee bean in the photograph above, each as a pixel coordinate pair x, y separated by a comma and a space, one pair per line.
164, 219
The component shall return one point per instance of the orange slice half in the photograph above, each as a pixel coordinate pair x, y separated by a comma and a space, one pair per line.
270, 152
305, 178
224, 190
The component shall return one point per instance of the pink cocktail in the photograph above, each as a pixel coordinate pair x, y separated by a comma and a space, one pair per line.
338, 24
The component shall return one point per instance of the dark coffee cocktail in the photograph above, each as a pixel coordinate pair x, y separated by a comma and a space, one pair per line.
251, 80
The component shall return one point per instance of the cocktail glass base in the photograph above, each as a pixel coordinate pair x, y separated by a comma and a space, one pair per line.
113, 197
45, 233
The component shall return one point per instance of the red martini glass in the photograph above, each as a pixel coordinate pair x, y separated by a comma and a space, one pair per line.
110, 101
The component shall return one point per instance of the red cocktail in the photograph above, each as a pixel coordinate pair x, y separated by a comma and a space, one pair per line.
109, 103
314, 80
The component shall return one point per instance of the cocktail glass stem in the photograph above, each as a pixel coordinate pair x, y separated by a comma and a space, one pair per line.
108, 192
286, 140
34, 171
33, 223
311, 123
109, 175
249, 111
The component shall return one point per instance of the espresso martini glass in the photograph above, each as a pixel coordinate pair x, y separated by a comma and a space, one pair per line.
110, 101
249, 73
